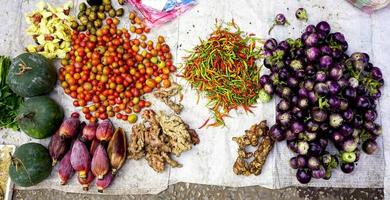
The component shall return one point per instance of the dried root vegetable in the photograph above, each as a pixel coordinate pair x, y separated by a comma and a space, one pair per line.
165, 95
256, 136
158, 137
173, 126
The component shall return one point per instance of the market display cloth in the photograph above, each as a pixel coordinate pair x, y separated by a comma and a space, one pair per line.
211, 161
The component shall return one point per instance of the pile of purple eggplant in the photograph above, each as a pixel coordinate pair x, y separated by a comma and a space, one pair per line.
325, 95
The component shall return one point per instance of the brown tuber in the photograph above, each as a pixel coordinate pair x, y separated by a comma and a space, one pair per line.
256, 136
158, 138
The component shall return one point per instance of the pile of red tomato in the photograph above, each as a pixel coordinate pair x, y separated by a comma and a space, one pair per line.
108, 73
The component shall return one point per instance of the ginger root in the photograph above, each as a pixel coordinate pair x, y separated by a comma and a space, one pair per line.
165, 94
256, 136
158, 137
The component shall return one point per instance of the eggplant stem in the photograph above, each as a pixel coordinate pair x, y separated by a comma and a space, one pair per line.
270, 29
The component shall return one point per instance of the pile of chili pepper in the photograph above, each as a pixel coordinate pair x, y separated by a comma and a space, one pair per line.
224, 68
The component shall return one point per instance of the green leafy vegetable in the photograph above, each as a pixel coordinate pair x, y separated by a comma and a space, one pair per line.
9, 101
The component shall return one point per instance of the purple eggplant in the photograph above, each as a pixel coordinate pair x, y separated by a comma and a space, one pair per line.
294, 163
377, 130
303, 103
312, 54
311, 29
318, 114
310, 71
292, 82
268, 88
326, 50
370, 146
301, 14
323, 142
323, 27
376, 73
301, 161
321, 89
348, 157
264, 79
270, 44
321, 76
319, 173
313, 163
276, 133
350, 93
348, 115
297, 127
326, 61
343, 105
349, 145
280, 20
315, 149
335, 120
347, 167
370, 115
292, 145
290, 135
334, 102
312, 96
311, 40
303, 147
303, 176
283, 105
336, 73
283, 119
337, 137
309, 85
297, 113
334, 87
296, 65
346, 130
312, 126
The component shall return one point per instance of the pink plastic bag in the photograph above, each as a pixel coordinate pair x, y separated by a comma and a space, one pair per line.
171, 9
369, 6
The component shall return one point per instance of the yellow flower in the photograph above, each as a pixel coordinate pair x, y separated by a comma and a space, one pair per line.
51, 28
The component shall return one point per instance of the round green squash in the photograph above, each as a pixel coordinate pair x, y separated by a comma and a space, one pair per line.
40, 117
30, 164
31, 74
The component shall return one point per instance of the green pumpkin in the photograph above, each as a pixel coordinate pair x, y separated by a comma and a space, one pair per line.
39, 117
30, 164
31, 74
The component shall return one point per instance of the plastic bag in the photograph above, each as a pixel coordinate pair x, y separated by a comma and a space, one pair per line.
369, 6
157, 12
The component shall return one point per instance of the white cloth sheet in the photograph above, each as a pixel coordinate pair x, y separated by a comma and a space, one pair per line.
211, 161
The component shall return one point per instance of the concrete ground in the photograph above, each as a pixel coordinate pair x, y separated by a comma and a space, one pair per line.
196, 191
